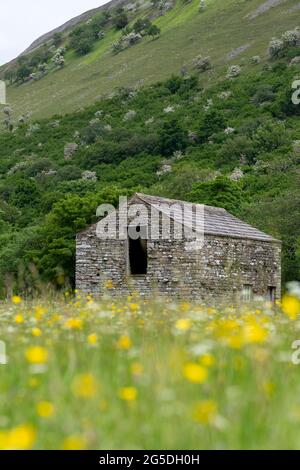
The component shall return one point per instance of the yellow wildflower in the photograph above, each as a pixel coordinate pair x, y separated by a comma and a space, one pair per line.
234, 341
39, 312
74, 323
74, 442
128, 393
254, 333
92, 339
16, 299
84, 386
45, 409
291, 306
36, 332
19, 438
19, 319
205, 411
195, 373
207, 360
36, 355
124, 342
133, 307
183, 324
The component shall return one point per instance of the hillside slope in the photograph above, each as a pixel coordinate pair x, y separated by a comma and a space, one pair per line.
229, 32
234, 145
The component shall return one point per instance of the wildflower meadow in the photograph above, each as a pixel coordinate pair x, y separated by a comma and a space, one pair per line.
78, 373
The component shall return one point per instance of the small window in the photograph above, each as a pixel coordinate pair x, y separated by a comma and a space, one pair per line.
247, 293
138, 253
271, 295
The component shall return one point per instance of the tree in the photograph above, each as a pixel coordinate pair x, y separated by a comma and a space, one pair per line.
237, 150
142, 25
172, 137
82, 40
212, 122
221, 192
153, 31
84, 46
23, 73
121, 20
57, 39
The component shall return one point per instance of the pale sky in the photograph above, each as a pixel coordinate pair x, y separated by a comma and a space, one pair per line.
23, 21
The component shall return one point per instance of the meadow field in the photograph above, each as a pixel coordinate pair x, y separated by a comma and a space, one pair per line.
132, 374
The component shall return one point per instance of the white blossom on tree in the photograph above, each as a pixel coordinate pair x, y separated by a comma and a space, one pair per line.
89, 176
275, 47
202, 63
233, 71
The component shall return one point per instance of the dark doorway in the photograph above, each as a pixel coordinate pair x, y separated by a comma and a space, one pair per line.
271, 294
138, 257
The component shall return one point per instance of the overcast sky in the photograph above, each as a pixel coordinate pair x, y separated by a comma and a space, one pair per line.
23, 21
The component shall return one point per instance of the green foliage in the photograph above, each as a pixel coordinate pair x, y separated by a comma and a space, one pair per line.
212, 122
81, 40
23, 72
172, 137
120, 20
57, 39
153, 30
202, 135
220, 192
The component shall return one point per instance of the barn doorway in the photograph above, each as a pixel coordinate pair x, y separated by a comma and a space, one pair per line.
271, 295
138, 252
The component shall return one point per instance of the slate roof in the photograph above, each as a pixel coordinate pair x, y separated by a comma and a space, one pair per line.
217, 221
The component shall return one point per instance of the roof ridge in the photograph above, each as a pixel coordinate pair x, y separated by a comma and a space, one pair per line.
144, 197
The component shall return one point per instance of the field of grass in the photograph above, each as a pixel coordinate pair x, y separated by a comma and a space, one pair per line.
221, 28
137, 375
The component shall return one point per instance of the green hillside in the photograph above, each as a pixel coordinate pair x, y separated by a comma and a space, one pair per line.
224, 132
228, 31
233, 145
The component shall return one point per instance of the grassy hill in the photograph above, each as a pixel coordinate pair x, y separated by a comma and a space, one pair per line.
228, 31
206, 137
234, 145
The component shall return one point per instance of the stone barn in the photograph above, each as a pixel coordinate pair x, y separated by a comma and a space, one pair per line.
156, 250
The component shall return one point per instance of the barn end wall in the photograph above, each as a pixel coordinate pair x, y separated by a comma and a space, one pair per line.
217, 272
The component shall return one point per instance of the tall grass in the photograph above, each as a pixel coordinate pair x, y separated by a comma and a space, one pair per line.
133, 374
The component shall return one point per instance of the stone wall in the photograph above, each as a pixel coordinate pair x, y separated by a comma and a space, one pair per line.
218, 271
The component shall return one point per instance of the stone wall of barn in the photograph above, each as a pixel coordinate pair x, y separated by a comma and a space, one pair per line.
218, 271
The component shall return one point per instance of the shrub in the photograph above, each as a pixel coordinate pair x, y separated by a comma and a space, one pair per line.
202, 63
221, 192
263, 94
126, 41
291, 38
233, 71
276, 47
120, 20
57, 39
172, 137
153, 31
